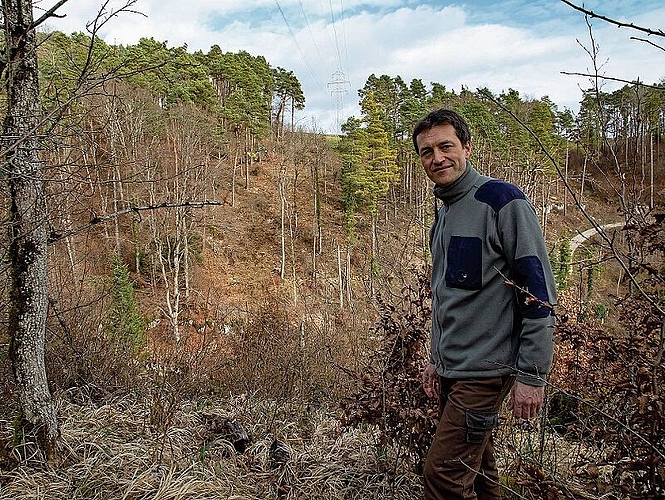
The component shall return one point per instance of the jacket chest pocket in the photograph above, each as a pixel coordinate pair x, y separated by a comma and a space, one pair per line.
464, 263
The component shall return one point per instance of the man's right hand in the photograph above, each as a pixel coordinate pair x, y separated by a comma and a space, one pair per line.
526, 401
431, 381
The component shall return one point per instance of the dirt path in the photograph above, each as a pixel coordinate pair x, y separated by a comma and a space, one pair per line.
588, 234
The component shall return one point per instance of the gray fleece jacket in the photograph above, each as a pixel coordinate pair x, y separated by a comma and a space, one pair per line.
491, 277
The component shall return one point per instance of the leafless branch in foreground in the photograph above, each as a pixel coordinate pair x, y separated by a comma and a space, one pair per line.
590, 13
613, 79
104, 218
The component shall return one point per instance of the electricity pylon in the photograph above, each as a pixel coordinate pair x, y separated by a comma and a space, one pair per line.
339, 87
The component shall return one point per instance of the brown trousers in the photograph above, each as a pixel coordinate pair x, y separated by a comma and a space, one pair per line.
460, 463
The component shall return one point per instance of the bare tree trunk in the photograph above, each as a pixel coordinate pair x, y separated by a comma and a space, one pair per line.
185, 256
565, 180
116, 182
651, 205
373, 254
348, 279
233, 179
316, 202
172, 311
27, 238
339, 277
586, 157
282, 199
314, 260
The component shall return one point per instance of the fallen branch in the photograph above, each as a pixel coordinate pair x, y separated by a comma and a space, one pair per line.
54, 236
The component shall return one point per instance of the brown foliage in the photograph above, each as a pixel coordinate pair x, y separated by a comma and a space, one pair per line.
389, 394
612, 381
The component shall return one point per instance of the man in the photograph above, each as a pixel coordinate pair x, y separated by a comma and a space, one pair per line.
492, 304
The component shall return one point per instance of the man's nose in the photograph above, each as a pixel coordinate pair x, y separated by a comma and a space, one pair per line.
438, 156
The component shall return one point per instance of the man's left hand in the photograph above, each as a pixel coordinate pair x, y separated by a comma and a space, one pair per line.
526, 401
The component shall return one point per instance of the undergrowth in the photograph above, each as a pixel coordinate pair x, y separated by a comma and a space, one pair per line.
139, 426
112, 450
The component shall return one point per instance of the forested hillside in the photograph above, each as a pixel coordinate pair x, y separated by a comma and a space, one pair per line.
236, 308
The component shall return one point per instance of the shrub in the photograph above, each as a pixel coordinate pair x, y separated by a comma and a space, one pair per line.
388, 392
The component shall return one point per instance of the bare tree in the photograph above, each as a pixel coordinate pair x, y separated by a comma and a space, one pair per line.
22, 167
27, 228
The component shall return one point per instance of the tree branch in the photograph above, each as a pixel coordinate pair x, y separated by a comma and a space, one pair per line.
649, 42
49, 13
629, 82
54, 236
530, 298
590, 13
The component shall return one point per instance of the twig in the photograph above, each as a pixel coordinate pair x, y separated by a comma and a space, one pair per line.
590, 13
103, 218
613, 79
49, 13
648, 41
530, 297
602, 412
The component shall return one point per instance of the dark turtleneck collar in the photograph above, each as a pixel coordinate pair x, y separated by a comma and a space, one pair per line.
461, 186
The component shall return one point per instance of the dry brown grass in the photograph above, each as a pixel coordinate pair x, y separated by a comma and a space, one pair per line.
112, 452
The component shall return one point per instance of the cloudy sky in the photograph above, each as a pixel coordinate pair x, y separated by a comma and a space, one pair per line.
332, 46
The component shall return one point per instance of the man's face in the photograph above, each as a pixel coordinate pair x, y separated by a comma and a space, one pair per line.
442, 154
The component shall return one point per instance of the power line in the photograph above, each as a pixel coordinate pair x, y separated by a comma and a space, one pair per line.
339, 86
346, 52
332, 17
302, 54
309, 28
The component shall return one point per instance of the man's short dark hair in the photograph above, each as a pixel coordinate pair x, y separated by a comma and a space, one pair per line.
442, 117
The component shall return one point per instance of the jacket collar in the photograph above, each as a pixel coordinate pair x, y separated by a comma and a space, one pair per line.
454, 192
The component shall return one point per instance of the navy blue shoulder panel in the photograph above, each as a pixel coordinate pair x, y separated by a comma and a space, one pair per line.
498, 193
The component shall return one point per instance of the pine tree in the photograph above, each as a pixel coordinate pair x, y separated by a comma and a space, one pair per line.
125, 325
